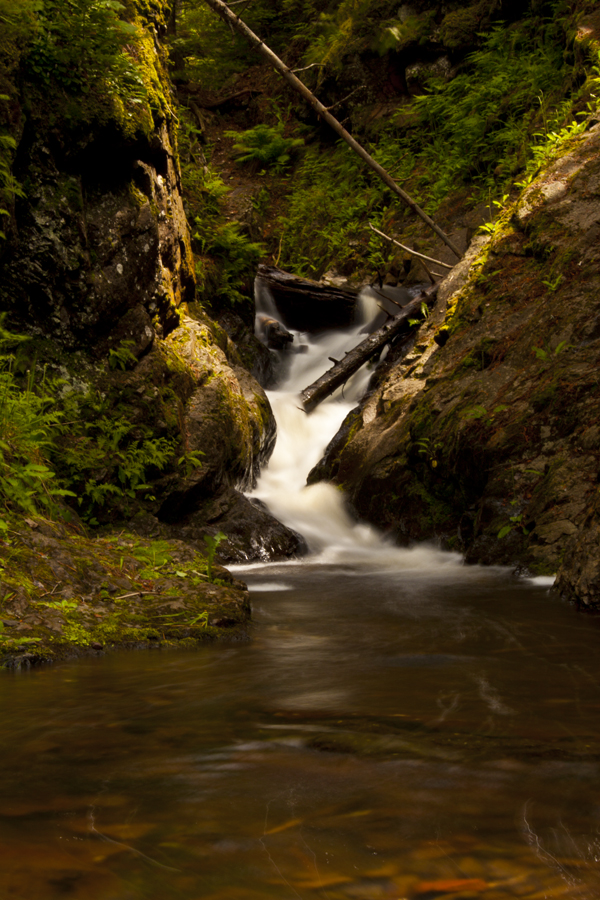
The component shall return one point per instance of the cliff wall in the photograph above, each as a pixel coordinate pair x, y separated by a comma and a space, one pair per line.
491, 442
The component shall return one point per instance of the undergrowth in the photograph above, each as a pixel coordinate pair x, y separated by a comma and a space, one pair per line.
226, 257
59, 444
485, 132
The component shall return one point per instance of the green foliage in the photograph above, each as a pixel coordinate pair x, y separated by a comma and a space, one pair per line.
121, 357
331, 197
212, 545
57, 444
227, 263
547, 355
7, 642
508, 110
83, 45
515, 523
480, 412
226, 258
430, 450
28, 425
18, 24
9, 186
265, 146
104, 459
480, 122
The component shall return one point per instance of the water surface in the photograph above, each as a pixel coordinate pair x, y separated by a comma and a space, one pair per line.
392, 735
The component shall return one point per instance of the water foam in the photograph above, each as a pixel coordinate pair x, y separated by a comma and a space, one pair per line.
319, 511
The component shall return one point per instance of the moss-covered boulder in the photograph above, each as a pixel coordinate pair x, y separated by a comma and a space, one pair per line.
227, 425
64, 594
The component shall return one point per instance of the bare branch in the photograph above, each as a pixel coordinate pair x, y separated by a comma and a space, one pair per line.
343, 100
437, 262
305, 68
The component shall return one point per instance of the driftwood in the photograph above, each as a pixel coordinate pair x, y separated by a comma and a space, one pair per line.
351, 363
234, 21
308, 305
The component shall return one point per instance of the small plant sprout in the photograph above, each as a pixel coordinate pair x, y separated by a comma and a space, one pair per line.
554, 285
121, 356
515, 523
212, 545
480, 412
545, 355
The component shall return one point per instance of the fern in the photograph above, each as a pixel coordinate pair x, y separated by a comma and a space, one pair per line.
265, 146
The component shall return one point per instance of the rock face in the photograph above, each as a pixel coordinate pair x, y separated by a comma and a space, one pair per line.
491, 443
98, 263
101, 251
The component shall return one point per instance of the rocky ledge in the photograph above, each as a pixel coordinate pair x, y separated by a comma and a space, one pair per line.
63, 594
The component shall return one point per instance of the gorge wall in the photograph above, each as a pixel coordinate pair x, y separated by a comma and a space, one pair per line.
491, 442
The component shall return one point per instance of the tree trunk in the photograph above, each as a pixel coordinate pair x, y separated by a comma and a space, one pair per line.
232, 19
351, 363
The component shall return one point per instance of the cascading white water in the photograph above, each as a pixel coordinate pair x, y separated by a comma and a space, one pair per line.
318, 511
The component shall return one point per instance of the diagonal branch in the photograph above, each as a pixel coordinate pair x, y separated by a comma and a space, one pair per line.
437, 262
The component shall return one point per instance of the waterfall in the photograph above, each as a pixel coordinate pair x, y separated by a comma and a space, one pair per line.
319, 511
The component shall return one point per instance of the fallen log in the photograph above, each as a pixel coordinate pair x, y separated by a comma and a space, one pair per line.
332, 379
309, 305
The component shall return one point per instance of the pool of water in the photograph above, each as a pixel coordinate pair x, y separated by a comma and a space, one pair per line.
418, 733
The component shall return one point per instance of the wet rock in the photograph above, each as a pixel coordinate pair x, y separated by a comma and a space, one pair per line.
258, 359
135, 330
96, 240
253, 534
276, 337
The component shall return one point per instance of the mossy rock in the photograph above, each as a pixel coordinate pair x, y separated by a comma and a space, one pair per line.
63, 594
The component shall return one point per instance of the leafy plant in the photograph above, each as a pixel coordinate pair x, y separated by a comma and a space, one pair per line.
228, 260
9, 186
555, 284
11, 642
28, 425
121, 356
515, 523
82, 44
545, 355
212, 545
429, 449
480, 412
105, 461
265, 146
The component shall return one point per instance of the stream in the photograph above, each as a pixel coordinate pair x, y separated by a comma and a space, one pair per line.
399, 726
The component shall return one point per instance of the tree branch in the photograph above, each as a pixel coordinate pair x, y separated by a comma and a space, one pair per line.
437, 262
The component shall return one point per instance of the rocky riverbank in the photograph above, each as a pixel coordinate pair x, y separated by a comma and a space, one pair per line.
489, 443
64, 594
